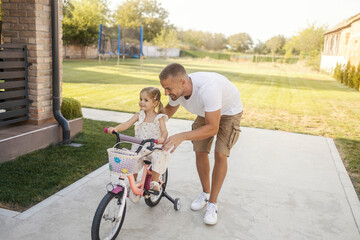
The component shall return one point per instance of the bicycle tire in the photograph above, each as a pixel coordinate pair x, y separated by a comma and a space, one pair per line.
153, 201
100, 220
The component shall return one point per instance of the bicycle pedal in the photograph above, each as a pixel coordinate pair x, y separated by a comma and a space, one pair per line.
154, 192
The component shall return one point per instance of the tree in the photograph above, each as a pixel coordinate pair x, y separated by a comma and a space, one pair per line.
290, 49
194, 39
146, 13
215, 42
240, 42
275, 44
309, 42
260, 48
167, 38
81, 22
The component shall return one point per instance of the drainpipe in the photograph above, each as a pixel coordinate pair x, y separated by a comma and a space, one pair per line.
55, 72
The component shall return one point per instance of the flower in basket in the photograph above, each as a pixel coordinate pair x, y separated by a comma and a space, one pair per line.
124, 170
117, 160
110, 167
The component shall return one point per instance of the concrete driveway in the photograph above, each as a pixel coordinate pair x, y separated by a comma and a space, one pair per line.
279, 186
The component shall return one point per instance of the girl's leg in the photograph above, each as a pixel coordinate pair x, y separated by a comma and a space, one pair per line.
159, 160
155, 178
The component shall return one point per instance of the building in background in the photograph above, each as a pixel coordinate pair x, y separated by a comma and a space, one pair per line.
342, 44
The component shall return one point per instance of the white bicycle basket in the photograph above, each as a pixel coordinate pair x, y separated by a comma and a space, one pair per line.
123, 161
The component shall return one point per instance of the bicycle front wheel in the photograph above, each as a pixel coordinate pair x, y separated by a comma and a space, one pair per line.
109, 217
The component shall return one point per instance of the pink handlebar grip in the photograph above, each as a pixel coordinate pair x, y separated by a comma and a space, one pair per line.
155, 140
106, 130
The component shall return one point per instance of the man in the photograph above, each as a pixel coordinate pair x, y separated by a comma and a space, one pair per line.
217, 103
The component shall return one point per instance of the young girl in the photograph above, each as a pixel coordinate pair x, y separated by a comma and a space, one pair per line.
149, 123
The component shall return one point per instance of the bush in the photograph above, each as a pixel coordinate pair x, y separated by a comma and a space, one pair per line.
351, 77
348, 75
314, 62
337, 72
71, 108
356, 78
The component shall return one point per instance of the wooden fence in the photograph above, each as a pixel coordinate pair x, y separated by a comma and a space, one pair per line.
14, 102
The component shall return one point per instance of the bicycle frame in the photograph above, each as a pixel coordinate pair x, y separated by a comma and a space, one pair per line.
137, 188
110, 213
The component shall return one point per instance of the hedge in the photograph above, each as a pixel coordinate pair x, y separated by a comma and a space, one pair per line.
262, 58
234, 57
203, 54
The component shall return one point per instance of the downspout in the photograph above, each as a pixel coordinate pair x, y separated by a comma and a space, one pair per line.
55, 72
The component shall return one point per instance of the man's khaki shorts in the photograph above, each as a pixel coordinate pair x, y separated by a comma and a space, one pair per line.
227, 136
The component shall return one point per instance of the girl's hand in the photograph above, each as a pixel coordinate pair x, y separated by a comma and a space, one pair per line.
110, 130
160, 140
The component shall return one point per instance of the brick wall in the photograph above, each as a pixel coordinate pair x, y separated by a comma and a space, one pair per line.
29, 22
74, 51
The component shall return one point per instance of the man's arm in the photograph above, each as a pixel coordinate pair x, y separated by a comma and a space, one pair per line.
211, 127
170, 110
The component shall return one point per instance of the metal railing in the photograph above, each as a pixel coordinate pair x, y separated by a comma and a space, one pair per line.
14, 102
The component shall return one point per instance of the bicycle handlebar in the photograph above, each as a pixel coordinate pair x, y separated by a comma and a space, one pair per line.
126, 138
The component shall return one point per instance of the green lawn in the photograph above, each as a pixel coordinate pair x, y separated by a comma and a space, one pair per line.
275, 96
33, 177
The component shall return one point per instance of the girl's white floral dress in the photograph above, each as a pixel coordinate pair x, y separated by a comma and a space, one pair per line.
159, 158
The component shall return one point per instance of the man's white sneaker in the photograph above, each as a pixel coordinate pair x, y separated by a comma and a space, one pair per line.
200, 202
211, 214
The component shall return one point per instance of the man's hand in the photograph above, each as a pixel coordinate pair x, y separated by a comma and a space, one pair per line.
173, 142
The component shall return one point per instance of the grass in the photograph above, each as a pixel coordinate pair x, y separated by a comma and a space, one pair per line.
33, 177
275, 96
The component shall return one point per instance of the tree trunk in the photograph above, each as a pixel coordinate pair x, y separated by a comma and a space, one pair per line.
83, 51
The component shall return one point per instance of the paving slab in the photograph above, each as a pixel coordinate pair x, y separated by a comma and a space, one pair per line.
279, 186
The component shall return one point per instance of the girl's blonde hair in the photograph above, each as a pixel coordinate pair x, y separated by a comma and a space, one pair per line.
155, 94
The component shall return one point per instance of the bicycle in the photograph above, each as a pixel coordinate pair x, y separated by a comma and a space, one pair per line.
110, 213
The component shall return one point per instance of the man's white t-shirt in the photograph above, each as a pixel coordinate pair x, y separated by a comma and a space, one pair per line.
211, 92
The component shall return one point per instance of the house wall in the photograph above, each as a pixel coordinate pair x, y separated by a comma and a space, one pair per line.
29, 22
354, 44
341, 46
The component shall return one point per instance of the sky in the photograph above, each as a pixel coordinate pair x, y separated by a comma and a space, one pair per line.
261, 19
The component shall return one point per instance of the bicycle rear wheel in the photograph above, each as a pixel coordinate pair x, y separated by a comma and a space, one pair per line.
109, 217
153, 201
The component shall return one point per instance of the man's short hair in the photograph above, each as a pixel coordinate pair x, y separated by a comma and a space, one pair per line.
172, 70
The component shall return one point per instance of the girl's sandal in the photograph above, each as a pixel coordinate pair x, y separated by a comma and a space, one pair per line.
154, 188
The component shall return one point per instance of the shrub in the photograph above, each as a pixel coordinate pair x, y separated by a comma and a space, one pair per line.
71, 108
351, 76
314, 62
346, 74
356, 78
337, 72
